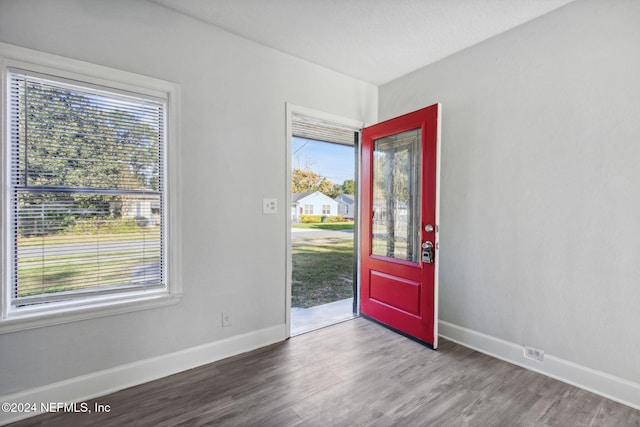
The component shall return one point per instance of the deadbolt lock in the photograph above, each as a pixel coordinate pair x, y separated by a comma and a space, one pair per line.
427, 252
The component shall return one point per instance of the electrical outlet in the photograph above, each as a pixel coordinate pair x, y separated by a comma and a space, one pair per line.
533, 353
226, 319
269, 205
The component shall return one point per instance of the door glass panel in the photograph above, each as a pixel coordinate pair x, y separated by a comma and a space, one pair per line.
396, 196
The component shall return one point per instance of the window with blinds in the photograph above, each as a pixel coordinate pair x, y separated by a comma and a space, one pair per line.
87, 189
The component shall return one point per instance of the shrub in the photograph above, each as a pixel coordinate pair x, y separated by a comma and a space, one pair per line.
103, 225
309, 219
335, 218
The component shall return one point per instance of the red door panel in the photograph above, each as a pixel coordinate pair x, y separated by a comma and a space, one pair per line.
399, 223
397, 292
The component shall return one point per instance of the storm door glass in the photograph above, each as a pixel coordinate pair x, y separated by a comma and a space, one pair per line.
396, 196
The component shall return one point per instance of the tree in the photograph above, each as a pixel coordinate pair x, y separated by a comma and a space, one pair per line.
78, 141
348, 187
85, 142
307, 180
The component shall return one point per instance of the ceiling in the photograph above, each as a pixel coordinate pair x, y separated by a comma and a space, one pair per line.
372, 40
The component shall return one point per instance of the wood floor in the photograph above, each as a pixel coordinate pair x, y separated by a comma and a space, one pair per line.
356, 373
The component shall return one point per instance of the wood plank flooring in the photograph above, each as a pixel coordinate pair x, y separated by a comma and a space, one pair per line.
356, 373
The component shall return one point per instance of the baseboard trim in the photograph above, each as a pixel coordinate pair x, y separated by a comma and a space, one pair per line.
597, 382
101, 383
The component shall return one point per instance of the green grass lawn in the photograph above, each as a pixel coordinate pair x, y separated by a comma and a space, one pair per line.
61, 239
67, 270
326, 226
322, 273
78, 273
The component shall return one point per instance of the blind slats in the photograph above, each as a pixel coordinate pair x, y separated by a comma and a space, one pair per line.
320, 130
86, 171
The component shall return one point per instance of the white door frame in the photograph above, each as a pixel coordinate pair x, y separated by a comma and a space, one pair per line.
357, 125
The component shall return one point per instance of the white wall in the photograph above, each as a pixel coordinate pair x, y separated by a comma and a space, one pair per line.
233, 154
540, 209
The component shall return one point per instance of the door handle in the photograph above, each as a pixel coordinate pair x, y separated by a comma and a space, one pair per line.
427, 252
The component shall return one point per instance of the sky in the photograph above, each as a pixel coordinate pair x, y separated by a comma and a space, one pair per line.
332, 161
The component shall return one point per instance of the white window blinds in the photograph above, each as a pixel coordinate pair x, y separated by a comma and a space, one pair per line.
87, 190
322, 130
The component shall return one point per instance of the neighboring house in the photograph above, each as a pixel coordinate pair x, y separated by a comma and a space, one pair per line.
312, 203
346, 205
399, 213
145, 209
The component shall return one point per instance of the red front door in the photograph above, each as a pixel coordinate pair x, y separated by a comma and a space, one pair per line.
399, 239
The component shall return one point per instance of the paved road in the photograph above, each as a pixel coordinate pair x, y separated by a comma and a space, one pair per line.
305, 233
85, 248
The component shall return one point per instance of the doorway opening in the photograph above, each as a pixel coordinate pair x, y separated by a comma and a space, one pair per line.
323, 223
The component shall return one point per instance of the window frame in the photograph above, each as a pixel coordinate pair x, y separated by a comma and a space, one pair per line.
99, 305
326, 209
308, 210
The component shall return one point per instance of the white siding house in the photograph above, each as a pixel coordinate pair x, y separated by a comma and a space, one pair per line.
312, 203
346, 205
145, 209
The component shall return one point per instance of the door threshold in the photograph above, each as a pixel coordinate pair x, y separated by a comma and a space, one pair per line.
313, 318
318, 327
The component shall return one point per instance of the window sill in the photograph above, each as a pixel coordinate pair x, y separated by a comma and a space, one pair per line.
24, 321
